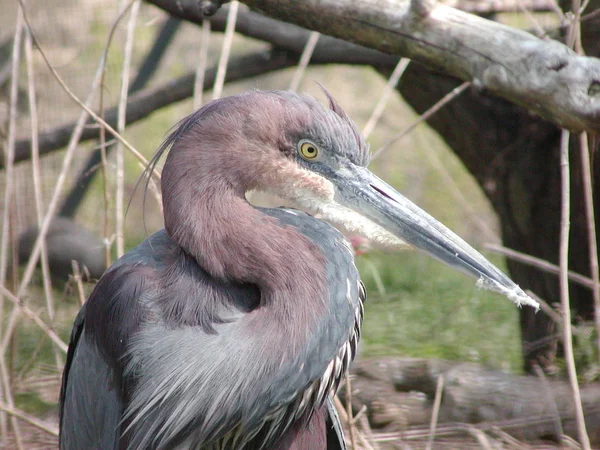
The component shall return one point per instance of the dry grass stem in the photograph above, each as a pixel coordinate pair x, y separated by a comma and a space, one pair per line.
61, 180
436, 410
506, 438
309, 48
29, 419
78, 280
564, 287
103, 144
202, 63
390, 86
8, 197
539, 263
226, 49
349, 421
9, 152
423, 117
481, 438
37, 184
120, 194
6, 386
367, 435
34, 317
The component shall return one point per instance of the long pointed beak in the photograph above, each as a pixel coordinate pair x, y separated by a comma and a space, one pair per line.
360, 190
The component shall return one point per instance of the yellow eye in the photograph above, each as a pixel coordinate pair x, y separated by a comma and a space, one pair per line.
308, 150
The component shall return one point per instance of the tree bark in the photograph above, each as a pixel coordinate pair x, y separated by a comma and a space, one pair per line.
543, 76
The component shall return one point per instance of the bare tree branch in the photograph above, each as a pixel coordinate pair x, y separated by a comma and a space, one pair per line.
149, 100
290, 39
545, 77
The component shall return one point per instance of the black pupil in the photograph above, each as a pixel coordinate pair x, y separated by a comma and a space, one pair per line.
310, 149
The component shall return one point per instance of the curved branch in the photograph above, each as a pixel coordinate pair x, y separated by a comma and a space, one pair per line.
542, 76
147, 101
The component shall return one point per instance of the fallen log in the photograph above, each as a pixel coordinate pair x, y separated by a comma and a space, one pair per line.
399, 394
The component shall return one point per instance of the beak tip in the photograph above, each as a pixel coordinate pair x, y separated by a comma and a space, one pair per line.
514, 293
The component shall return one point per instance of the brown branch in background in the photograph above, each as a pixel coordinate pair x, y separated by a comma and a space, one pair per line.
502, 60
149, 100
539, 263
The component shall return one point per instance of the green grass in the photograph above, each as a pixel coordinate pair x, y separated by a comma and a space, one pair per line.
419, 308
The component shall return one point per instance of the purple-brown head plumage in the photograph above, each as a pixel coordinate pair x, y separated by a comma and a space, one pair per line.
293, 146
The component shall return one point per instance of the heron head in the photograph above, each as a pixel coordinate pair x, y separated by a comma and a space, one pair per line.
295, 147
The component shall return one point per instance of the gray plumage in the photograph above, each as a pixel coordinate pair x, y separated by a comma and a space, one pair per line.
207, 384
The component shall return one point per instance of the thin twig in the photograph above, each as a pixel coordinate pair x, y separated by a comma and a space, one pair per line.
10, 401
368, 434
226, 49
29, 419
436, 410
202, 63
309, 48
539, 263
423, 117
481, 438
539, 30
564, 287
120, 194
8, 197
77, 278
588, 195
9, 152
35, 318
37, 184
385, 96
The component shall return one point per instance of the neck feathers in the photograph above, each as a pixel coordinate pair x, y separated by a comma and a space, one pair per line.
233, 241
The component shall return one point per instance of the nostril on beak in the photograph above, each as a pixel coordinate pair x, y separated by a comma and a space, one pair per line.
383, 193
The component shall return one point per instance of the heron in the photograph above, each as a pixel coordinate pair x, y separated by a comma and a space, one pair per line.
233, 326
